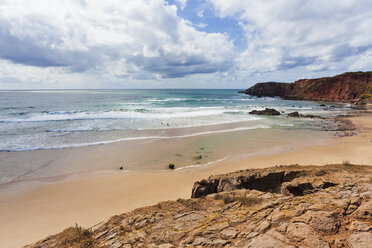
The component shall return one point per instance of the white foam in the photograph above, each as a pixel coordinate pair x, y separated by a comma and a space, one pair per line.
151, 114
170, 99
136, 138
286, 125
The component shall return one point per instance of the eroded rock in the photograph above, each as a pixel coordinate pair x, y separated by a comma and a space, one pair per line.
252, 208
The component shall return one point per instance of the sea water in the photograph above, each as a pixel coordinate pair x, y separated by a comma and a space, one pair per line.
52, 119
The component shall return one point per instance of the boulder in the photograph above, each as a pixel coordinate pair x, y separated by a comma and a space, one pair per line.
266, 111
294, 114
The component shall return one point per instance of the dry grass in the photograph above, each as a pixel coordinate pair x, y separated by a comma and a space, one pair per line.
244, 200
346, 163
76, 237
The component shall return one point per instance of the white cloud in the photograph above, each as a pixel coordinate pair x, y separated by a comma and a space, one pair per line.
92, 43
182, 3
121, 39
313, 34
200, 13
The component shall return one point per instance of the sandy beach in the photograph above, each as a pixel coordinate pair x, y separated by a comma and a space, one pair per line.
107, 109
32, 210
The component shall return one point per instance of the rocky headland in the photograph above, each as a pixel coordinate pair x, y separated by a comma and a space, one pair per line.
283, 206
353, 87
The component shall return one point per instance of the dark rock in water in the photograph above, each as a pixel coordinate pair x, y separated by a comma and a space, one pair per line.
294, 114
322, 105
312, 116
266, 111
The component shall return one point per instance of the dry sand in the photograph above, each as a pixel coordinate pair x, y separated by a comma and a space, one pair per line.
28, 215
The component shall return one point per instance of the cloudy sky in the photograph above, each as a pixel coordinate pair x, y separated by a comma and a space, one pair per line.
179, 43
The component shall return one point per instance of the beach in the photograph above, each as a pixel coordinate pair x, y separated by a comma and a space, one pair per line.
194, 110
33, 209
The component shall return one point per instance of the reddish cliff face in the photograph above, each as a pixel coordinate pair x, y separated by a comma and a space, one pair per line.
350, 87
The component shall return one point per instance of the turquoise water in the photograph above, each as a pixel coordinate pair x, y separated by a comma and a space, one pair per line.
31, 120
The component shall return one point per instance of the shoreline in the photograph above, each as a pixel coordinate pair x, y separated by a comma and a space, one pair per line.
81, 157
213, 144
88, 200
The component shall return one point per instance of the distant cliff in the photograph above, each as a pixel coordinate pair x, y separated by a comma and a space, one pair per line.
347, 87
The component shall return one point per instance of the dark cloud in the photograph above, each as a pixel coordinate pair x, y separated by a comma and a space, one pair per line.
38, 51
172, 66
147, 36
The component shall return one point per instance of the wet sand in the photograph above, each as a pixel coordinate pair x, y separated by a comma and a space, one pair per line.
31, 210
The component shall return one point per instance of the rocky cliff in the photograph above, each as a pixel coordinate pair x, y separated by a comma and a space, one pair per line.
347, 87
284, 206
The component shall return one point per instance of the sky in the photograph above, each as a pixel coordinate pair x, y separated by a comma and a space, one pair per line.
75, 44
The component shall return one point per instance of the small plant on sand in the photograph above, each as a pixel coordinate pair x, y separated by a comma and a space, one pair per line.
171, 166
121, 168
198, 157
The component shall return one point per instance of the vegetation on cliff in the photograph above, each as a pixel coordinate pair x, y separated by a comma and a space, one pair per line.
349, 87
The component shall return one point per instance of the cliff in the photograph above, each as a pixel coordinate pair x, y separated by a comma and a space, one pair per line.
347, 87
283, 206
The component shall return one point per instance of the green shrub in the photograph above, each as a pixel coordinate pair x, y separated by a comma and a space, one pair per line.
366, 96
198, 157
171, 166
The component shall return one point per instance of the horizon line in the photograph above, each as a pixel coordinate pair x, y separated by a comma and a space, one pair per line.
125, 89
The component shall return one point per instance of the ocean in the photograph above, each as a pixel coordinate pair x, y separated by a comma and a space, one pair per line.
52, 119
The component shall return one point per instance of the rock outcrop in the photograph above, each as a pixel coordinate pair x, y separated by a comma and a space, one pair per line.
296, 114
266, 180
284, 206
266, 111
348, 87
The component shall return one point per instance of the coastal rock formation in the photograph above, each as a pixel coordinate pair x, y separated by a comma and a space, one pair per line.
348, 87
266, 111
296, 114
340, 126
284, 206
266, 180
